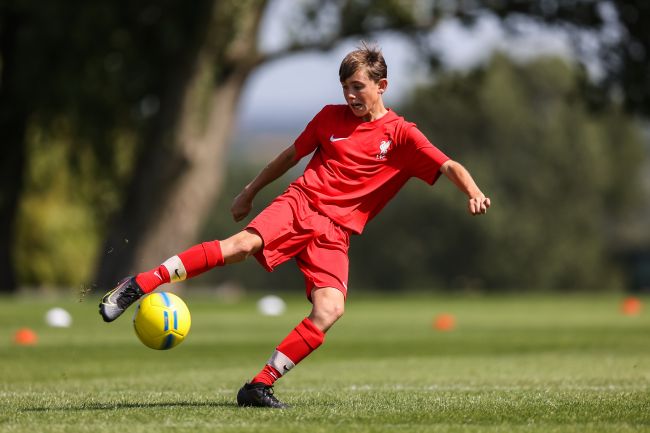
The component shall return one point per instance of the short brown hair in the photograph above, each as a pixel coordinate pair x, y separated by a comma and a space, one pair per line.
366, 56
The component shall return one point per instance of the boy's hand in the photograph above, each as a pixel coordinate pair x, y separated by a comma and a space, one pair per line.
479, 205
241, 206
243, 203
478, 202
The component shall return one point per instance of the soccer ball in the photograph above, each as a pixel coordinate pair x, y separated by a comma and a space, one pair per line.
162, 320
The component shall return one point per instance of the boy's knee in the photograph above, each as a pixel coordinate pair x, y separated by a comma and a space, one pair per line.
336, 310
330, 311
240, 246
328, 307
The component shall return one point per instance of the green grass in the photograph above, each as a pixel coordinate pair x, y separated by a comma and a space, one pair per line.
521, 364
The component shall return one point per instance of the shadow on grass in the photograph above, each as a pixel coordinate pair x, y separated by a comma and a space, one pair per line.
127, 405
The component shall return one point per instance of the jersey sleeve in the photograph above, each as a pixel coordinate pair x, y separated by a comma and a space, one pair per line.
307, 141
425, 159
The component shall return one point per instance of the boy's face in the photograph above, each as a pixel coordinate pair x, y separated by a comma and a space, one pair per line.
363, 95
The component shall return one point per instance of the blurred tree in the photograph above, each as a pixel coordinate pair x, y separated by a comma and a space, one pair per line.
179, 170
78, 91
617, 29
179, 173
13, 120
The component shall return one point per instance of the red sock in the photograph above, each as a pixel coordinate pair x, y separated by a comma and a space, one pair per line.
187, 264
301, 341
148, 281
267, 376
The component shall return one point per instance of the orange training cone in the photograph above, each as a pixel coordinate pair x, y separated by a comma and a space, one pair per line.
631, 306
444, 322
25, 337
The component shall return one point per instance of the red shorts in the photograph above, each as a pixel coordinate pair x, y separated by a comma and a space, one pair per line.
291, 227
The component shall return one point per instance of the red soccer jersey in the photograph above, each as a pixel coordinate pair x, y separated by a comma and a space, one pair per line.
359, 166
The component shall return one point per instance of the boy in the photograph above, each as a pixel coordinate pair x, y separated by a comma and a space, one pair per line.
363, 154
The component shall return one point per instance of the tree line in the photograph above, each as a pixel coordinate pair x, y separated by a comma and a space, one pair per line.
117, 116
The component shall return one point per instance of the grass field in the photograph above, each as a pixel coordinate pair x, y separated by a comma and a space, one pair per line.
520, 364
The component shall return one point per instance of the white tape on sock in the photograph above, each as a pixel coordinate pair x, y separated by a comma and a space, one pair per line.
176, 269
280, 362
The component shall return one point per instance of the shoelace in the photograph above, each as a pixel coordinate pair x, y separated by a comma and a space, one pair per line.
128, 296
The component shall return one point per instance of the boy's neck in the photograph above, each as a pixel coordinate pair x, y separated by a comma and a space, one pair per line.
375, 114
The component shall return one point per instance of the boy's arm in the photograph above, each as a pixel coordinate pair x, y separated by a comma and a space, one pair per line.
243, 203
478, 202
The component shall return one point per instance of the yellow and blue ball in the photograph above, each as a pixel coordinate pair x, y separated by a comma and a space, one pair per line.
162, 320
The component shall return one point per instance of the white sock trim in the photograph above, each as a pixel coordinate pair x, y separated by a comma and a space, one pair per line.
176, 269
280, 362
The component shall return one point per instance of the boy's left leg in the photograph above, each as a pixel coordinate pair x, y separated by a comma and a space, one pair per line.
328, 307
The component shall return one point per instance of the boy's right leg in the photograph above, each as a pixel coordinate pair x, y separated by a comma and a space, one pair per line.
187, 264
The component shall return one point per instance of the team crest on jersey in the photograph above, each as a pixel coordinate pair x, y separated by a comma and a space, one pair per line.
383, 149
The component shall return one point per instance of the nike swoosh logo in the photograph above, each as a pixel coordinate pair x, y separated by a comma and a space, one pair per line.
176, 272
333, 139
107, 298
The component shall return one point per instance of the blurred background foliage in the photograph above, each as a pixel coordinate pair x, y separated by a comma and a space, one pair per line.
89, 94
65, 205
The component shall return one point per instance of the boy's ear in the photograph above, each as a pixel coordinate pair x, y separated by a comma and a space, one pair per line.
383, 84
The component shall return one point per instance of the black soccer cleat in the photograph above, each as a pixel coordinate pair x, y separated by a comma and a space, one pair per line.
259, 395
119, 299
